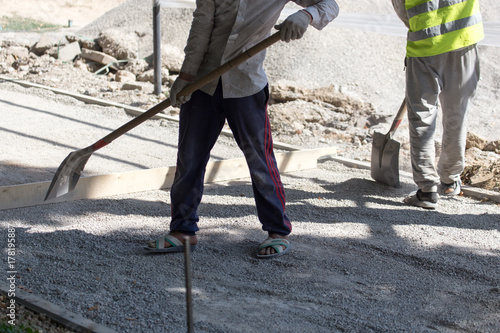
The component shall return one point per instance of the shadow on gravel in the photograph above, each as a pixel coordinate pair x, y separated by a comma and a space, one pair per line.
326, 284
79, 121
361, 262
356, 201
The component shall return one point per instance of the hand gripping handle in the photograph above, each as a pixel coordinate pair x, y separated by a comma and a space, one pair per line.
189, 89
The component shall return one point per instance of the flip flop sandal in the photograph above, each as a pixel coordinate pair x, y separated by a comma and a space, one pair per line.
277, 244
159, 245
451, 189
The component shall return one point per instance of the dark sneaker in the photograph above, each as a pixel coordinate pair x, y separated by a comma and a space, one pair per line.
426, 200
451, 189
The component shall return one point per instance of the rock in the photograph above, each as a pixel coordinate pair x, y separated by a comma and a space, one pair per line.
172, 58
377, 118
124, 76
132, 86
69, 52
118, 44
487, 177
44, 44
80, 65
72, 38
482, 169
20, 64
18, 52
100, 57
9, 70
137, 66
480, 178
283, 94
53, 52
23, 68
148, 76
297, 127
361, 121
329, 95
472, 155
89, 44
475, 141
85, 43
493, 146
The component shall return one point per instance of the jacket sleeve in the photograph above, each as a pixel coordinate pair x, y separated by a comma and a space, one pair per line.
399, 7
322, 12
199, 36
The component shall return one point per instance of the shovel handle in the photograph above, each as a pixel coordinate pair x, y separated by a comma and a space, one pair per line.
189, 89
397, 120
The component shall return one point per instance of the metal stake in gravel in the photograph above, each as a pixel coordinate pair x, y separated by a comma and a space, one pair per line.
70, 170
189, 284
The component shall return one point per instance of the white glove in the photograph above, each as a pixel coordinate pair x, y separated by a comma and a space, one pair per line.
178, 85
294, 26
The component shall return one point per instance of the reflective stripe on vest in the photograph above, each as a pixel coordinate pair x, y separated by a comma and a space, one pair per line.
440, 26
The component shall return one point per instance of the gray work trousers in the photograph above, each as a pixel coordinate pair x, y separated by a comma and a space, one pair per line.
448, 80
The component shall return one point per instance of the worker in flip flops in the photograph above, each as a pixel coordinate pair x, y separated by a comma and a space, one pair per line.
442, 68
220, 30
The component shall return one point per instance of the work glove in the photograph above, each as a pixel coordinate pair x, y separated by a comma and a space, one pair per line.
180, 83
294, 26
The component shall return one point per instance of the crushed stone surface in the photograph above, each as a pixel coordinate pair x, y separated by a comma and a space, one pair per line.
362, 261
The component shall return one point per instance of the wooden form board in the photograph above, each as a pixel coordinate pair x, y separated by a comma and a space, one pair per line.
32, 194
477, 193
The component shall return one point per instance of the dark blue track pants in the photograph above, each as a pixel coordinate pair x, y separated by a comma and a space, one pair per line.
201, 121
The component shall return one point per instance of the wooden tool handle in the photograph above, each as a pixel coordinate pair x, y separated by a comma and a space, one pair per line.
189, 89
399, 117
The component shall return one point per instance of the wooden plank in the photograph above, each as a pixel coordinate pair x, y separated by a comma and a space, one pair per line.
480, 194
64, 317
347, 162
27, 195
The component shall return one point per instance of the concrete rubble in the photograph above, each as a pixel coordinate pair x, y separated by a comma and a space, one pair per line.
299, 114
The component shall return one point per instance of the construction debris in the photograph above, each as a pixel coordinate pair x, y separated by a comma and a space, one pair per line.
107, 67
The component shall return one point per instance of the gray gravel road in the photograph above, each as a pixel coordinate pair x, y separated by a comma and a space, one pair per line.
361, 261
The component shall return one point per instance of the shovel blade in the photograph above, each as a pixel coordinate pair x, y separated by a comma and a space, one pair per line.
68, 173
385, 160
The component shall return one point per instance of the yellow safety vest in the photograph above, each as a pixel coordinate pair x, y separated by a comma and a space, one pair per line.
440, 26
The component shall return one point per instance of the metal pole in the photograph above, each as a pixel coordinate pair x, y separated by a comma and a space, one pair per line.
157, 47
189, 297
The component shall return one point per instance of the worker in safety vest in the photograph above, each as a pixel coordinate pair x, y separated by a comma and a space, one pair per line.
442, 67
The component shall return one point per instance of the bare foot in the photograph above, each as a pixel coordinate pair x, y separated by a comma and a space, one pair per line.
270, 250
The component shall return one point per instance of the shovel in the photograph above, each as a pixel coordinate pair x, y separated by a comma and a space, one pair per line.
70, 170
385, 153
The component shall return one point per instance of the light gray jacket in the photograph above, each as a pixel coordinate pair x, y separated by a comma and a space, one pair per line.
222, 29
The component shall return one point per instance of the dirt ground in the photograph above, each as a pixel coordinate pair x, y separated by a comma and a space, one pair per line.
80, 12
337, 104
362, 261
